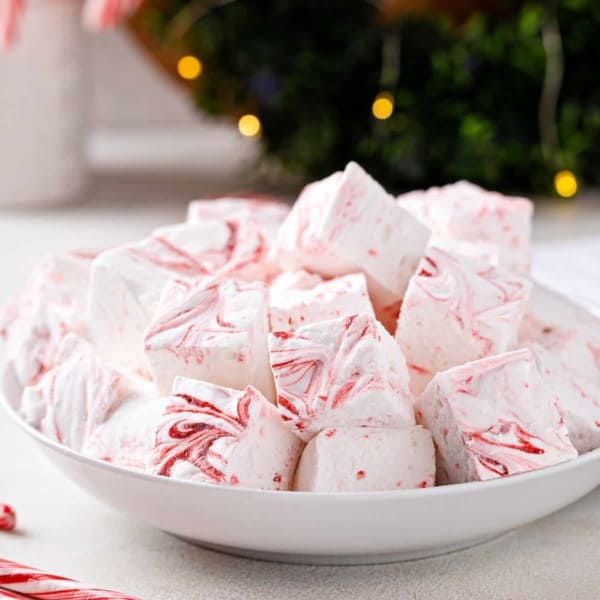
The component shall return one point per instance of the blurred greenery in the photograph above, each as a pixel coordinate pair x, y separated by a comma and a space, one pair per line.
466, 98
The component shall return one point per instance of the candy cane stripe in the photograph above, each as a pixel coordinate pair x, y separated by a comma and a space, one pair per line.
10, 12
33, 583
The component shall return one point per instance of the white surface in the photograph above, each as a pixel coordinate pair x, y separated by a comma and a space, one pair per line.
66, 530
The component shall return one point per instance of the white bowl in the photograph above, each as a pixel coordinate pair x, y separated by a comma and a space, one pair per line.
345, 528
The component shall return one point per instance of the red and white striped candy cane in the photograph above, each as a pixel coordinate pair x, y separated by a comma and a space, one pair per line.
33, 583
10, 12
102, 14
7, 594
8, 518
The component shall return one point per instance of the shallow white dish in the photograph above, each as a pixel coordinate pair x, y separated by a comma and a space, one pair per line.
346, 528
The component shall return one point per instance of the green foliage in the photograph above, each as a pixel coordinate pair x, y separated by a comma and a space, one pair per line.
466, 98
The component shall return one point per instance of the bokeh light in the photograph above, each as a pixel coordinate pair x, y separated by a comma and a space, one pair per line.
565, 184
189, 67
383, 106
249, 125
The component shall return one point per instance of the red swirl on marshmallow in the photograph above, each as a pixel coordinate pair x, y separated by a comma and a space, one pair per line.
127, 282
452, 314
75, 396
211, 330
219, 435
494, 417
348, 223
35, 322
342, 372
465, 212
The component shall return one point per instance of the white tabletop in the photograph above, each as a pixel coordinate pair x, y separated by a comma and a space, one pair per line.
63, 530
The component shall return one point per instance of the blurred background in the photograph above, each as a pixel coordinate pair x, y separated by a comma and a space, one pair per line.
268, 95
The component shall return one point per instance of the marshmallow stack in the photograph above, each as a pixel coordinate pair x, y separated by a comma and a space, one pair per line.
353, 342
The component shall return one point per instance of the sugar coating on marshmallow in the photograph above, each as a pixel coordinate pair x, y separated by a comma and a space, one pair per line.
75, 396
568, 367
348, 223
211, 330
342, 372
494, 417
367, 459
452, 314
299, 298
218, 435
127, 437
34, 323
267, 212
464, 211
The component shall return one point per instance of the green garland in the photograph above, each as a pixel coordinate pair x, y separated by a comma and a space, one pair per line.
503, 101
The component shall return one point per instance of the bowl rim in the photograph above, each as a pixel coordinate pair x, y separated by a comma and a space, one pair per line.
295, 496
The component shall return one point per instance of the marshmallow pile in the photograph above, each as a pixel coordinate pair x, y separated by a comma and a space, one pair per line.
352, 342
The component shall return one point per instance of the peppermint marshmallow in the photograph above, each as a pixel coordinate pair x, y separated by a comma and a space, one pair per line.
300, 298
452, 315
127, 437
127, 282
464, 211
567, 365
494, 417
348, 223
34, 323
367, 459
342, 372
268, 213
214, 434
211, 330
75, 396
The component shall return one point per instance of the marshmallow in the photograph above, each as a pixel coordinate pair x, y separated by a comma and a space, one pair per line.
211, 330
34, 323
478, 255
367, 459
464, 211
75, 396
493, 417
452, 315
348, 223
218, 435
549, 311
127, 437
567, 365
299, 298
342, 372
268, 213
127, 282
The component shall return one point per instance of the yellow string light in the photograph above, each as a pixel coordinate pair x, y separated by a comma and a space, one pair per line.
189, 67
565, 184
249, 125
383, 106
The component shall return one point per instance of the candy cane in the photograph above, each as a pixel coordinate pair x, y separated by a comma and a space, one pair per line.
33, 583
7, 594
10, 12
101, 14
8, 518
